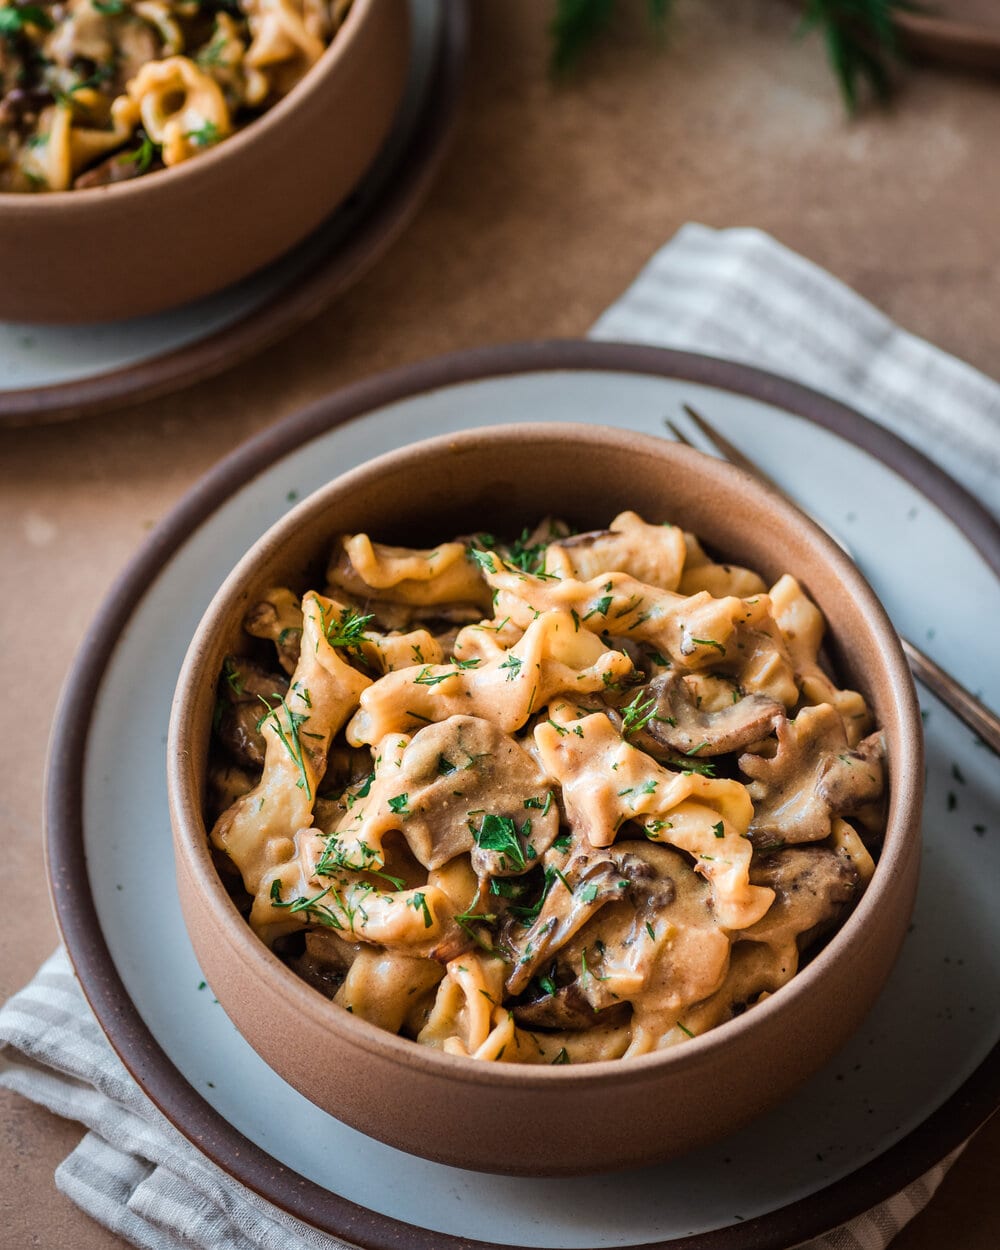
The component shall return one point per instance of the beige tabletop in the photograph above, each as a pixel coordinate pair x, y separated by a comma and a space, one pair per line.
549, 203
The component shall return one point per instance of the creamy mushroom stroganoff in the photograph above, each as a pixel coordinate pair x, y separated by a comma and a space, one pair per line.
568, 798
97, 91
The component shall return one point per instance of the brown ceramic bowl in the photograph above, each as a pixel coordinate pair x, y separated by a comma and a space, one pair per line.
168, 237
551, 1120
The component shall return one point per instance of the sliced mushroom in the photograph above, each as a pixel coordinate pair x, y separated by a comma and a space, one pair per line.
278, 617
680, 725
853, 778
116, 168
226, 784
812, 885
812, 778
326, 960
654, 943
248, 691
568, 1008
575, 895
461, 785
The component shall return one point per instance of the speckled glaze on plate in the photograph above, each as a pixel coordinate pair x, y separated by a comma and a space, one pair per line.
565, 1119
922, 1072
52, 372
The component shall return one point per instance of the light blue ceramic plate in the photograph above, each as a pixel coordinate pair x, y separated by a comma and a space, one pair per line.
872, 1120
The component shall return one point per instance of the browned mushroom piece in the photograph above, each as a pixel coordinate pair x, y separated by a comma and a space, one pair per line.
20, 106
247, 691
326, 960
635, 928
226, 784
812, 777
568, 1008
678, 725
138, 42
278, 617
119, 167
575, 895
813, 886
854, 777
471, 787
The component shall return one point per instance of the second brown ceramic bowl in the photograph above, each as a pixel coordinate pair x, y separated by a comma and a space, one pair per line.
169, 237
551, 1120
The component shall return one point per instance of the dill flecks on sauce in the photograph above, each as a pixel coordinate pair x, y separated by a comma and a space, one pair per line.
289, 736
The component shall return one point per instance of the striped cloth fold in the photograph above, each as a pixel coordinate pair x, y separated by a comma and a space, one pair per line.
732, 293
135, 1174
741, 295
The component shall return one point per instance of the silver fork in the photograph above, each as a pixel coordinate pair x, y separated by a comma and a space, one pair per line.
970, 710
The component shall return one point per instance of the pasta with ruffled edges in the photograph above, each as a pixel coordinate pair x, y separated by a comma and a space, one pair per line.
568, 798
94, 92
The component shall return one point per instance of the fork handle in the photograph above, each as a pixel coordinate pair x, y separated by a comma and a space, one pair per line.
966, 706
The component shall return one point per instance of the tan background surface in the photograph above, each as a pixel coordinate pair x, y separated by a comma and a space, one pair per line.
547, 206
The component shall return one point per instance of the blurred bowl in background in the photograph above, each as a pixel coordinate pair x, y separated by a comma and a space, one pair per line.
151, 243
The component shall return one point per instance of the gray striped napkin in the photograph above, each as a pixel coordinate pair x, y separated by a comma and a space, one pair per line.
741, 295
732, 293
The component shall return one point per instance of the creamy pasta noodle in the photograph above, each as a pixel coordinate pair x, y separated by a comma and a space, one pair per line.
568, 798
98, 91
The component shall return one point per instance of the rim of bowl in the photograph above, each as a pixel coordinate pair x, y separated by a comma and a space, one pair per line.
191, 833
17, 203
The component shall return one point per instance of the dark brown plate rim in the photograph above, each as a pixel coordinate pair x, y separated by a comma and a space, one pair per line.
299, 301
946, 1128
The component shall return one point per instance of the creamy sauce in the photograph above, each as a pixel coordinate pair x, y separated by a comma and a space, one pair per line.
603, 819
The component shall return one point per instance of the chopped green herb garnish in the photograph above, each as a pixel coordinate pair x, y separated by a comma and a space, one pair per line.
637, 714
142, 158
311, 907
334, 857
542, 805
205, 135
710, 642
348, 631
233, 677
703, 767
528, 557
483, 558
589, 892
513, 664
465, 921
561, 1057
719, 830
601, 608
684, 1029
419, 902
499, 834
14, 18
288, 735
